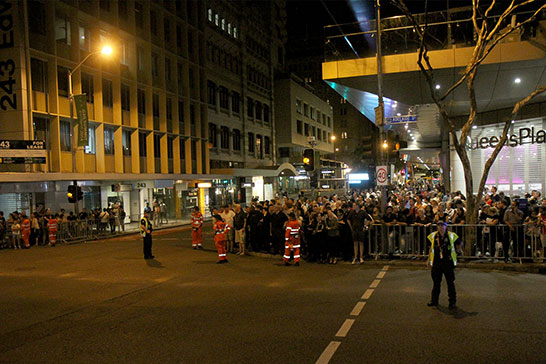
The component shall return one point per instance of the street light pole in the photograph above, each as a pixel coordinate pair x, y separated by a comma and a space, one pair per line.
379, 123
107, 50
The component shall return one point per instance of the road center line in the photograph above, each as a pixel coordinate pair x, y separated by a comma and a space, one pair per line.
344, 329
367, 294
381, 274
328, 352
386, 267
358, 308
375, 283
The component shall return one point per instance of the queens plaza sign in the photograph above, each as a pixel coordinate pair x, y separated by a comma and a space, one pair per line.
523, 136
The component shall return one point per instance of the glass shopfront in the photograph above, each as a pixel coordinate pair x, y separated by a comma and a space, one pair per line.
519, 168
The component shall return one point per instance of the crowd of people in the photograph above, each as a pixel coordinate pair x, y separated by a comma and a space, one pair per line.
356, 225
43, 227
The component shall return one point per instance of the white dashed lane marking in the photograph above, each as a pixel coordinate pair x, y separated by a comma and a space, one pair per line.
344, 329
328, 352
358, 308
367, 294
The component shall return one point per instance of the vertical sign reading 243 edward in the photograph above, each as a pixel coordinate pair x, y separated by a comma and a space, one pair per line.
381, 175
8, 98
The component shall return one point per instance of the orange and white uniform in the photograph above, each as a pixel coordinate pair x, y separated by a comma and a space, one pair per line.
196, 229
25, 227
292, 241
220, 229
52, 229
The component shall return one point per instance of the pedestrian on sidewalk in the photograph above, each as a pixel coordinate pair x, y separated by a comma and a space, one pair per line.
239, 225
444, 246
146, 233
220, 229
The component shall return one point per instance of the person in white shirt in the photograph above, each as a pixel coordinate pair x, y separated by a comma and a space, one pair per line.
227, 215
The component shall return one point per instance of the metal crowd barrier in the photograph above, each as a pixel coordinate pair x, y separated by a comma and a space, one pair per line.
478, 241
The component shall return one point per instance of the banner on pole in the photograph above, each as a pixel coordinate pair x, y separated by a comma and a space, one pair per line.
83, 120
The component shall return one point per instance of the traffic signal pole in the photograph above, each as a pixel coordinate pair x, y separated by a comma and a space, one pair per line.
76, 204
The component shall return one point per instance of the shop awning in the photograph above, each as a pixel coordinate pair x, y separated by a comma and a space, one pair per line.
283, 170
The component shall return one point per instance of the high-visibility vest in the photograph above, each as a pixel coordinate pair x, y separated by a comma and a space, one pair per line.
292, 231
196, 220
452, 238
220, 230
147, 226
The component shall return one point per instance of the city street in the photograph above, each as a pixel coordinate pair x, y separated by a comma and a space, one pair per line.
101, 302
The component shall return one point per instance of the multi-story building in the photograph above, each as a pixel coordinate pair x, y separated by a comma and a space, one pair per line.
244, 48
147, 132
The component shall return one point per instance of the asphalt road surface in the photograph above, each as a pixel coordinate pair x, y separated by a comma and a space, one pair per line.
101, 302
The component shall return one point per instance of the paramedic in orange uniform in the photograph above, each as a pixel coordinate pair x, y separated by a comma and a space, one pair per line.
25, 227
292, 240
220, 230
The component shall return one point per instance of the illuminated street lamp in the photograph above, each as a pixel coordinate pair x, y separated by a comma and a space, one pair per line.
333, 139
385, 144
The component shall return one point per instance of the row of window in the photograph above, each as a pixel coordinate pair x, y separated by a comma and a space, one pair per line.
257, 77
109, 144
309, 130
313, 113
222, 23
221, 95
256, 142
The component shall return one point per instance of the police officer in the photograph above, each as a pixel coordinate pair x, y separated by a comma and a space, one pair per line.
443, 259
146, 232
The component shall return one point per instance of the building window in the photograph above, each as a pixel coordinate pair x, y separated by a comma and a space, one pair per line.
298, 106
157, 146
107, 98
178, 36
126, 142
167, 70
266, 113
170, 152
62, 80
153, 22
313, 115
313, 131
319, 134
306, 129
284, 152
251, 142
104, 5
216, 19
36, 17
140, 59
84, 38
299, 127
258, 111
166, 31
209, 15
259, 148
38, 70
224, 97
344, 135
122, 10
329, 122
193, 152
108, 140
236, 139
141, 95
87, 87
235, 102
190, 42
229, 28
224, 137
306, 110
180, 71
125, 98
329, 138
223, 24
65, 136
181, 128
250, 107
155, 105
142, 151
139, 15
169, 112
235, 34
267, 145
62, 30
324, 136
212, 135
191, 79
211, 90
155, 65
182, 151
90, 148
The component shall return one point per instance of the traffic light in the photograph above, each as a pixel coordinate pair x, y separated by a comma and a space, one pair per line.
79, 193
309, 160
72, 193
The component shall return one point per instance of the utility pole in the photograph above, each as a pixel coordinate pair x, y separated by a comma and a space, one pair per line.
380, 122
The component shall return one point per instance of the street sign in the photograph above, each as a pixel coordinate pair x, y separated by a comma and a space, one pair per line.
83, 120
379, 115
381, 175
22, 152
402, 119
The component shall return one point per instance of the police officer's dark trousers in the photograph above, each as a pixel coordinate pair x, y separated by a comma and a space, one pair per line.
147, 246
446, 268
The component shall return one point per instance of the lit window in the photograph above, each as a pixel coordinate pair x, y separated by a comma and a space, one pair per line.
90, 147
223, 24
209, 12
216, 19
229, 28
235, 33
